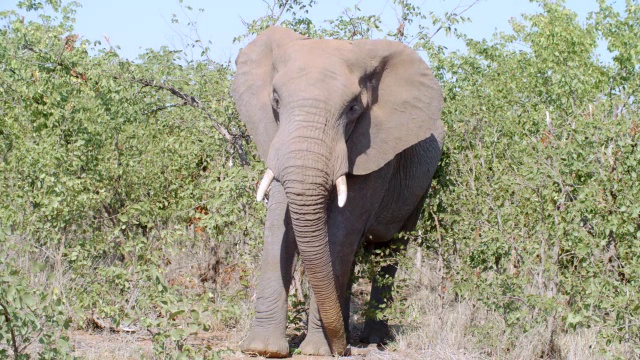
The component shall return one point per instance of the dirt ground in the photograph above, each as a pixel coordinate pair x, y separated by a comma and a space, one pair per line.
443, 334
107, 346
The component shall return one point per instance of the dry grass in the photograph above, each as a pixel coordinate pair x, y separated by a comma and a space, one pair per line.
104, 346
438, 326
193, 270
434, 325
441, 328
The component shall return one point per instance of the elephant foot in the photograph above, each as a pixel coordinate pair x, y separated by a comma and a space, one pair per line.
375, 332
315, 344
264, 343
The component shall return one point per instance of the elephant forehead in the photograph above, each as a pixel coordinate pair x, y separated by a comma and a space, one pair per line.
313, 53
317, 65
316, 82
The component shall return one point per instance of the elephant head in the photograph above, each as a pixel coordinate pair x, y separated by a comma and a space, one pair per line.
319, 109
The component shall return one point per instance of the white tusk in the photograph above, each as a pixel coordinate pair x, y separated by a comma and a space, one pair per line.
264, 184
341, 184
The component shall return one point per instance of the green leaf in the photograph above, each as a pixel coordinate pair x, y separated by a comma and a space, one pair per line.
195, 315
177, 334
28, 300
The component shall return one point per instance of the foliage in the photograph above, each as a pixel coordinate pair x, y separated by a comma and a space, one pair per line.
289, 13
104, 163
111, 170
29, 314
536, 201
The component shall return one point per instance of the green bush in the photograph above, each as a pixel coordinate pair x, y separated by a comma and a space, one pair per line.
537, 199
109, 169
104, 165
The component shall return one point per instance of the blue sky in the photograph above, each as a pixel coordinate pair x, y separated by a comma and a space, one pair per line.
135, 25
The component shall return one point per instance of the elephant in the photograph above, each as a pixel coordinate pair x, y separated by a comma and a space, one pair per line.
351, 136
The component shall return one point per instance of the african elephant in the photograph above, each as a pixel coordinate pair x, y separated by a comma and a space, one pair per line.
333, 119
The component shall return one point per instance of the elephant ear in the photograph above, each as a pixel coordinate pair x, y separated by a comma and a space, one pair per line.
251, 88
405, 102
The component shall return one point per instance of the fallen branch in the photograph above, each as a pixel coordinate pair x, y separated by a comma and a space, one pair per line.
107, 325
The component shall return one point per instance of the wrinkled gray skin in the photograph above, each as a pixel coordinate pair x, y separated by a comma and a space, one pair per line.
317, 110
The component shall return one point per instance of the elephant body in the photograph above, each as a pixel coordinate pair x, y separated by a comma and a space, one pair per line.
351, 134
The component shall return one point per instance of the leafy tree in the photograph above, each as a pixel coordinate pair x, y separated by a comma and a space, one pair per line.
103, 164
109, 168
535, 201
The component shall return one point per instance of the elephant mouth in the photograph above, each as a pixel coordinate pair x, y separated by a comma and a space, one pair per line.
341, 187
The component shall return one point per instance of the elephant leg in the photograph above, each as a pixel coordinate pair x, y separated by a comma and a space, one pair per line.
376, 329
267, 334
315, 342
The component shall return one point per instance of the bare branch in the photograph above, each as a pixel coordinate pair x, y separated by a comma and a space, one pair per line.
234, 140
153, 111
190, 100
277, 18
464, 8
14, 341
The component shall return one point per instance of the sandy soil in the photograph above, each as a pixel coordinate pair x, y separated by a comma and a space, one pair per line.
107, 346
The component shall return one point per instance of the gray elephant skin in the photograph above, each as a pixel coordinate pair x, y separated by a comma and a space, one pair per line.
351, 135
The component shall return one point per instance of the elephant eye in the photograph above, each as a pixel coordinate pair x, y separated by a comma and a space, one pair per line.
275, 101
354, 109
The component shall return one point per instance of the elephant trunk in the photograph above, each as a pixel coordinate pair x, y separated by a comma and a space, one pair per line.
309, 220
306, 171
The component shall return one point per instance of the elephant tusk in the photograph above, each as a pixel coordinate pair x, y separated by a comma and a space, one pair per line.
341, 184
264, 184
